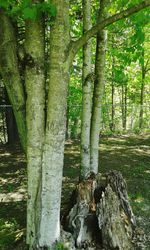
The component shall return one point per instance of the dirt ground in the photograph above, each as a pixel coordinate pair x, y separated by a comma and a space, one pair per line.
128, 154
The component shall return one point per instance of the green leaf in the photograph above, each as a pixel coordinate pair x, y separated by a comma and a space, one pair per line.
4, 4
30, 13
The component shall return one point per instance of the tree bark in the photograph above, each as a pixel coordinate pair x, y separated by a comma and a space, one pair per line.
11, 75
142, 94
98, 91
124, 106
35, 108
86, 93
112, 96
102, 216
53, 155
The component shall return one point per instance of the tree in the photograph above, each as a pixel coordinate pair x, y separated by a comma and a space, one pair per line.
10, 73
144, 71
45, 140
98, 90
35, 117
86, 93
12, 132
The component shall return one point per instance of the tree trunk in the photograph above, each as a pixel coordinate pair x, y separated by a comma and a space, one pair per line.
86, 93
102, 216
124, 106
67, 122
142, 95
35, 106
112, 98
12, 132
53, 155
98, 91
10, 74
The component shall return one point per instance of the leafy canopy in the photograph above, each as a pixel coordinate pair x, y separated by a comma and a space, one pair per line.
27, 9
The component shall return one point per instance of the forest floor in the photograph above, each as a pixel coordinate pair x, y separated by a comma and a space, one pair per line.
128, 154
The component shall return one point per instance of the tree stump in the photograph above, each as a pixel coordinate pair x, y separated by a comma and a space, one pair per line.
102, 217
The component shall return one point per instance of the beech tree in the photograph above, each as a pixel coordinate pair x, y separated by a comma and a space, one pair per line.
92, 102
46, 120
98, 89
86, 93
10, 73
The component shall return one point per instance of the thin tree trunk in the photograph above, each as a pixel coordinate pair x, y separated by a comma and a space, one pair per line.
112, 98
142, 95
53, 155
98, 91
35, 104
4, 126
10, 74
67, 122
86, 93
125, 108
12, 132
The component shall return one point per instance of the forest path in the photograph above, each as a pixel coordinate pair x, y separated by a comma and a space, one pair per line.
128, 154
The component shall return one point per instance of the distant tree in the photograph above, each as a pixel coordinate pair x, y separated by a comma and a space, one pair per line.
11, 127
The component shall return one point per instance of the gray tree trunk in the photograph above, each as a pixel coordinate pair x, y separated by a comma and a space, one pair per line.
86, 93
53, 154
98, 91
46, 141
112, 127
143, 69
124, 106
35, 104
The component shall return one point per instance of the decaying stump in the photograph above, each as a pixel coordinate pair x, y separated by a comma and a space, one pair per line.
102, 216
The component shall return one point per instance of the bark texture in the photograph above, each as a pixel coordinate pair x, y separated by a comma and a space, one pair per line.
102, 216
112, 125
86, 93
143, 69
35, 106
98, 90
53, 154
10, 73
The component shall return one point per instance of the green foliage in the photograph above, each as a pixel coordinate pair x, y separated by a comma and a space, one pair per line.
59, 246
26, 9
7, 232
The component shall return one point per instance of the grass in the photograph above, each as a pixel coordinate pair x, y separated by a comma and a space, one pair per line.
128, 154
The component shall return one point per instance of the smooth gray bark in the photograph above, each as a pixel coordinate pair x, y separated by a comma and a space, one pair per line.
53, 154
98, 91
45, 198
143, 71
35, 104
86, 93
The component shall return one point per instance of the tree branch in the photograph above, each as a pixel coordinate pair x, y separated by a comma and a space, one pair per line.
93, 31
146, 66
